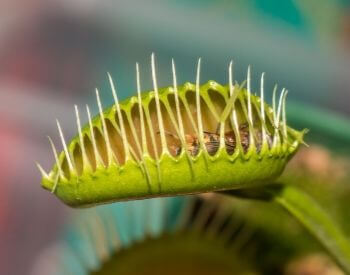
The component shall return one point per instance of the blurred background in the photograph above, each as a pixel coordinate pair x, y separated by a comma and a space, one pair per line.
54, 53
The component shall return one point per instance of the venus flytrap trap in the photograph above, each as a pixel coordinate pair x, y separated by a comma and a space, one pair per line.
187, 139
182, 235
173, 141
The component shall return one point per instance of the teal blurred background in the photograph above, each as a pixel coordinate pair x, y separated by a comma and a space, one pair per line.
54, 53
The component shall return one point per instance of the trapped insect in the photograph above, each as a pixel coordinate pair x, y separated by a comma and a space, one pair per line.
180, 139
212, 141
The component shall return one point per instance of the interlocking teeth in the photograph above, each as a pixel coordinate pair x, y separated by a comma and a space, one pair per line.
262, 109
179, 125
120, 118
278, 117
105, 131
234, 112
274, 104
284, 117
98, 157
160, 121
250, 116
86, 162
178, 140
198, 105
58, 164
252, 134
263, 125
65, 148
142, 121
159, 113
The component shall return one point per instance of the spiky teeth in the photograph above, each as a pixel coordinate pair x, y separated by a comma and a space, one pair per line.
192, 127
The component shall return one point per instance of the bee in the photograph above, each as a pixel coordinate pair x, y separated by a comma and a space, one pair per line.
211, 141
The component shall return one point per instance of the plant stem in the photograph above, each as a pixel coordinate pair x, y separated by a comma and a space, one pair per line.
310, 214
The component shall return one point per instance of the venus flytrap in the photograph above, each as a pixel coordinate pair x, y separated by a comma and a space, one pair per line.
173, 141
187, 139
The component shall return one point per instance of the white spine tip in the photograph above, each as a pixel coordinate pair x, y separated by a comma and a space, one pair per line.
81, 138
56, 157
139, 99
262, 100
250, 116
177, 102
279, 109
104, 128
230, 77
42, 171
120, 118
93, 139
274, 103
65, 148
284, 115
248, 76
158, 109
198, 105
198, 69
